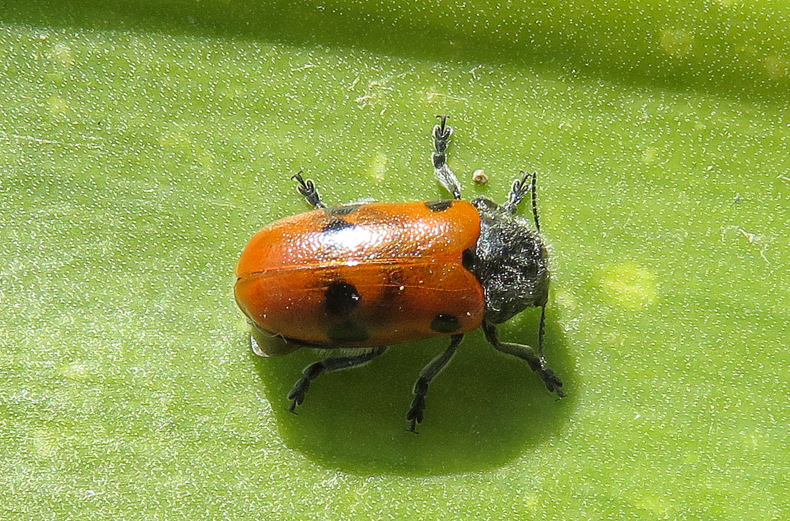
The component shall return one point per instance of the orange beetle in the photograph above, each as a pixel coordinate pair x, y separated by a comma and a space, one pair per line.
365, 276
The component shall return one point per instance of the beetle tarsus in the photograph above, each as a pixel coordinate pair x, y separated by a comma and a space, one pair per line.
308, 190
550, 380
521, 187
298, 392
441, 138
417, 412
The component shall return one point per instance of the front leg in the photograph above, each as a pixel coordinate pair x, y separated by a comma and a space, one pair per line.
522, 187
536, 362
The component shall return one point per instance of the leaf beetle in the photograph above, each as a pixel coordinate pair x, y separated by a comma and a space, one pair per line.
361, 277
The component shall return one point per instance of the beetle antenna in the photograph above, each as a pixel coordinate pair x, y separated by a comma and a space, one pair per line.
535, 205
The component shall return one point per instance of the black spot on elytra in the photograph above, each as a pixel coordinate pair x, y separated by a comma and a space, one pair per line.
445, 323
468, 258
341, 298
439, 206
347, 331
339, 211
336, 225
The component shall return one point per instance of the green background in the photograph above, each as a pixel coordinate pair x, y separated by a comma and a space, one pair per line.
142, 143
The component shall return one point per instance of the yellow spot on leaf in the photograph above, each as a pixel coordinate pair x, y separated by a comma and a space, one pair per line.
76, 371
776, 67
178, 140
57, 105
629, 285
44, 443
649, 155
676, 42
378, 166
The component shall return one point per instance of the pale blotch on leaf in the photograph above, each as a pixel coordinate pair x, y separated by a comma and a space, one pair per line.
378, 166
566, 299
44, 443
75, 372
57, 105
676, 42
653, 503
178, 140
206, 158
629, 285
61, 54
776, 67
649, 155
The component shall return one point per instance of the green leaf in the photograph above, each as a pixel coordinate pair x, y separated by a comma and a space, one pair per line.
142, 144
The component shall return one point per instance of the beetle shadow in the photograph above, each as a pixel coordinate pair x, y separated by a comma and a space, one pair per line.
485, 409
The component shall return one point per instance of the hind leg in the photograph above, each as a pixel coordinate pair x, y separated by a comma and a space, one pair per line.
328, 365
308, 190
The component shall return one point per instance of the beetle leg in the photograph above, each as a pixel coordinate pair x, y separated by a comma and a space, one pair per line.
336, 363
536, 361
541, 329
521, 187
441, 137
428, 373
308, 190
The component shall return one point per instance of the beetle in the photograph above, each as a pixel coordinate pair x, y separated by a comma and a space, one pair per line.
362, 277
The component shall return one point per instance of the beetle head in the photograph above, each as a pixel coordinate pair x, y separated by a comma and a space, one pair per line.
510, 261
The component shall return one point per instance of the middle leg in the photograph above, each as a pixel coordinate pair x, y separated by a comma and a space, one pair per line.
428, 373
